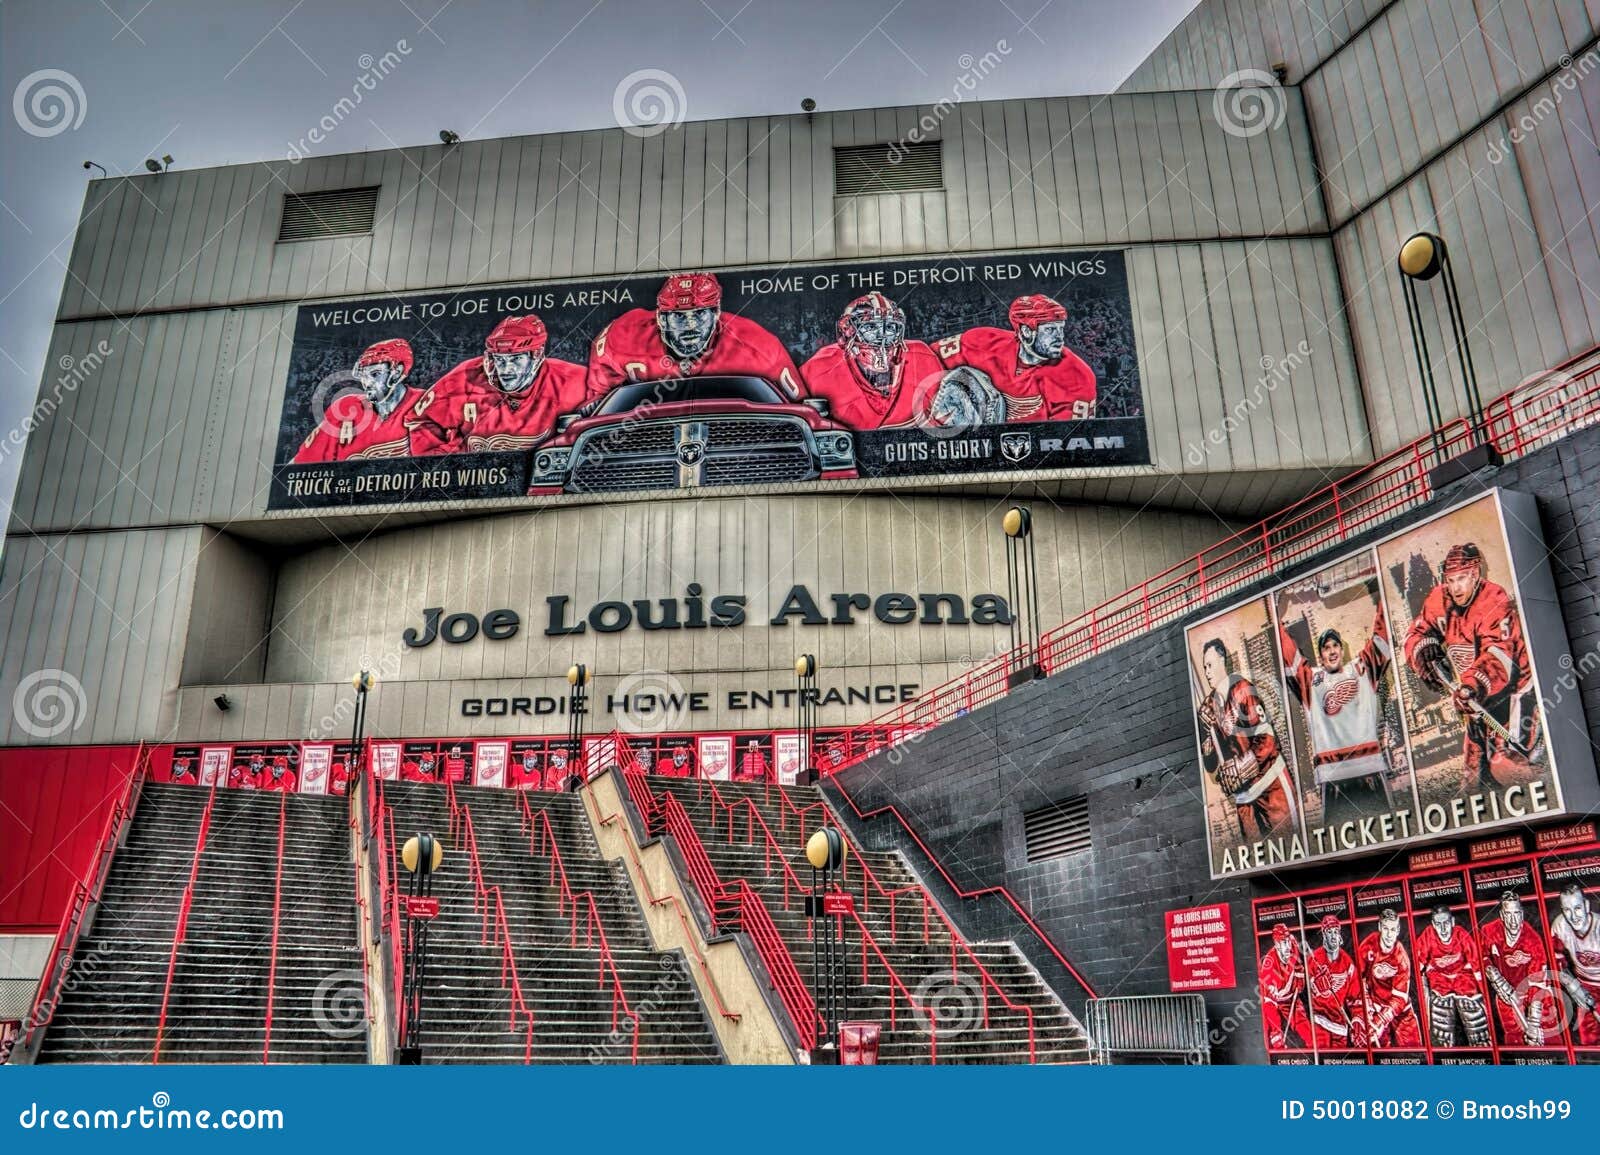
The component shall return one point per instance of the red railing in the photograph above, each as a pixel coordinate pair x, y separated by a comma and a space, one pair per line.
1530, 416
542, 843
388, 913
736, 905
958, 945
277, 919
85, 893
689, 937
489, 904
961, 892
181, 930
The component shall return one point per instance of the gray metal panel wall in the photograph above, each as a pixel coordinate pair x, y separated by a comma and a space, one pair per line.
1221, 37
93, 625
715, 193
1425, 74
1515, 201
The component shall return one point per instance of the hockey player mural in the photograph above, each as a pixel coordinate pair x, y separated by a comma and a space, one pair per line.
1411, 709
1248, 781
907, 351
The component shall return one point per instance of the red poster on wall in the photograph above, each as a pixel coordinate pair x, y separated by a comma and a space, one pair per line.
1200, 949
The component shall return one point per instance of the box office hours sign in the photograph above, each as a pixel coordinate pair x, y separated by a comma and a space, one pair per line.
1200, 949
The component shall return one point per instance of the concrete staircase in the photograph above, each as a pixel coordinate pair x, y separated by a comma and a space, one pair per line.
956, 998
112, 997
466, 1010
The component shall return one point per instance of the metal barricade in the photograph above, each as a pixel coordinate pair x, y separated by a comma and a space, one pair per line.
1150, 1026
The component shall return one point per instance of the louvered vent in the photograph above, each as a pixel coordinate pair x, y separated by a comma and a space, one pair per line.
339, 213
887, 168
1057, 830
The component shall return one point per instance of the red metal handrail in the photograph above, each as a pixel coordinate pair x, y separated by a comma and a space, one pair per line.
961, 892
689, 937
957, 943
181, 930
542, 842
86, 891
494, 915
1530, 416
277, 916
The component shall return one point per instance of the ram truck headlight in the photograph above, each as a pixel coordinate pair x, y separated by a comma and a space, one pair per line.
550, 466
837, 450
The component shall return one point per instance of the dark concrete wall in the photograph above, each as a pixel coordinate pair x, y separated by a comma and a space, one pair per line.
1119, 729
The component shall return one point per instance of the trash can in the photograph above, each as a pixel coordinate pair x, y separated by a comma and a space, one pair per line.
858, 1044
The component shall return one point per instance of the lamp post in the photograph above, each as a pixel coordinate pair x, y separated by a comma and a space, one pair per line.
422, 855
1022, 582
826, 905
363, 682
577, 710
1424, 257
805, 711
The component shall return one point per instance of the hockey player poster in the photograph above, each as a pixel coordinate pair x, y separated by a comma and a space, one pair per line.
1248, 776
1467, 965
1396, 691
971, 364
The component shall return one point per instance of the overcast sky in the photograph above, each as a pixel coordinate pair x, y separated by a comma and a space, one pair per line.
223, 81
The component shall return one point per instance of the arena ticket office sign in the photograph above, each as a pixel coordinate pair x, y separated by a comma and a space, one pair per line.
1418, 689
1493, 960
914, 367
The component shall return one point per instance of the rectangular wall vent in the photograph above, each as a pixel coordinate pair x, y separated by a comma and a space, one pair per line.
338, 213
1057, 830
887, 168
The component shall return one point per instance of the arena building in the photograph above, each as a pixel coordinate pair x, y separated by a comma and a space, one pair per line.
677, 404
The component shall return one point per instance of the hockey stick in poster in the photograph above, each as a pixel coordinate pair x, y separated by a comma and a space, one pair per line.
1477, 710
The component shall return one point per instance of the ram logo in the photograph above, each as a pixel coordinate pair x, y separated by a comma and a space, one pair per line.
1016, 446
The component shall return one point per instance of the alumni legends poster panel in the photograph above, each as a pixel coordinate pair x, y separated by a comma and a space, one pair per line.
1474, 956
1416, 690
1009, 362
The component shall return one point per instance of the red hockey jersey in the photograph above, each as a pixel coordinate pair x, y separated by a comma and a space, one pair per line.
470, 414
1386, 973
1483, 639
1335, 991
1280, 981
1062, 391
1449, 968
351, 430
832, 375
631, 349
1523, 960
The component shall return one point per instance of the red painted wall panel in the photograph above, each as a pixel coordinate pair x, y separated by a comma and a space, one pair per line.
53, 807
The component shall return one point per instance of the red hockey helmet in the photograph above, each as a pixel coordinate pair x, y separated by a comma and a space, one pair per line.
1330, 922
1034, 310
1462, 557
396, 350
689, 291
1280, 933
517, 335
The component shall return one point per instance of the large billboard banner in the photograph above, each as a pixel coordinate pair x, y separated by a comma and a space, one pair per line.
1410, 691
1010, 362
